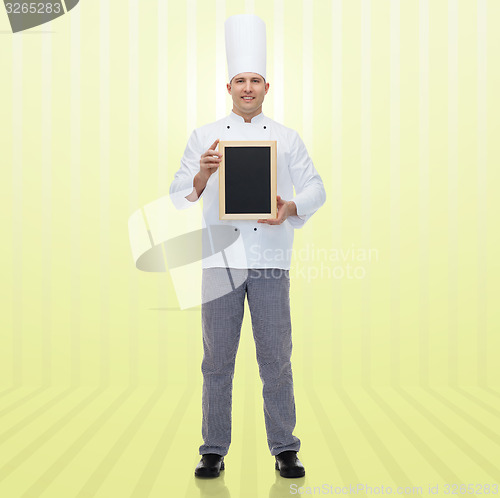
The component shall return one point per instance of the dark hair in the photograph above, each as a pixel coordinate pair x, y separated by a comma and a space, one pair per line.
255, 73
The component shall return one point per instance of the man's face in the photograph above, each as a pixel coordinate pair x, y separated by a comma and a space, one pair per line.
247, 91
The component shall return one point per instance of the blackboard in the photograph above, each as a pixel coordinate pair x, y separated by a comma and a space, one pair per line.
247, 180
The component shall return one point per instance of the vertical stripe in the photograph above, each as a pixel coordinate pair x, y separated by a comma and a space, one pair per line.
17, 209
423, 147
482, 190
191, 83
220, 60
249, 7
307, 125
278, 89
163, 180
365, 179
105, 192
46, 208
76, 206
192, 107
307, 73
133, 102
395, 156
163, 74
336, 187
452, 189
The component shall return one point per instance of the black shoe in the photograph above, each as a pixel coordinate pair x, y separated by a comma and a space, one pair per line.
210, 465
289, 465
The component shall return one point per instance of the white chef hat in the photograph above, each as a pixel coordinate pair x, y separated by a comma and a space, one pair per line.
245, 45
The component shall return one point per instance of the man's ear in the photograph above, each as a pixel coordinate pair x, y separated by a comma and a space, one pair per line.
267, 87
228, 86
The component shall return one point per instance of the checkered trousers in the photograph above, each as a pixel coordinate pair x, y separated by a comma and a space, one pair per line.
223, 293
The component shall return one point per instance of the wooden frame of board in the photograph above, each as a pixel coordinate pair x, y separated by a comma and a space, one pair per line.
235, 208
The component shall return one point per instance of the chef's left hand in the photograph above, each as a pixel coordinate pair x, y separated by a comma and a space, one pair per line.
285, 209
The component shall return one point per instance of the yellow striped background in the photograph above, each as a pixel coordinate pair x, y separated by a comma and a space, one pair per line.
397, 372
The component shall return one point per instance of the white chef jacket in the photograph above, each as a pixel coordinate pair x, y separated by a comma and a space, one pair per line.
259, 245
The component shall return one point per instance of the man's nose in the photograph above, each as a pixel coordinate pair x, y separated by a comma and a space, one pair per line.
248, 87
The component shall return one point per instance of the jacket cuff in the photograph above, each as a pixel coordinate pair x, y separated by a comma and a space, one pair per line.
297, 221
186, 196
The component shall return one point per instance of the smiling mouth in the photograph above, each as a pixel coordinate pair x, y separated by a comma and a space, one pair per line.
248, 98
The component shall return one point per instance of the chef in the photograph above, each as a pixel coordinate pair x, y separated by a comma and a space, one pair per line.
257, 266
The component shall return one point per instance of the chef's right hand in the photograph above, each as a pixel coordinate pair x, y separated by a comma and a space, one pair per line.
210, 161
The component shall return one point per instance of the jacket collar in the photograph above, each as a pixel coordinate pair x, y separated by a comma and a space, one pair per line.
239, 119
